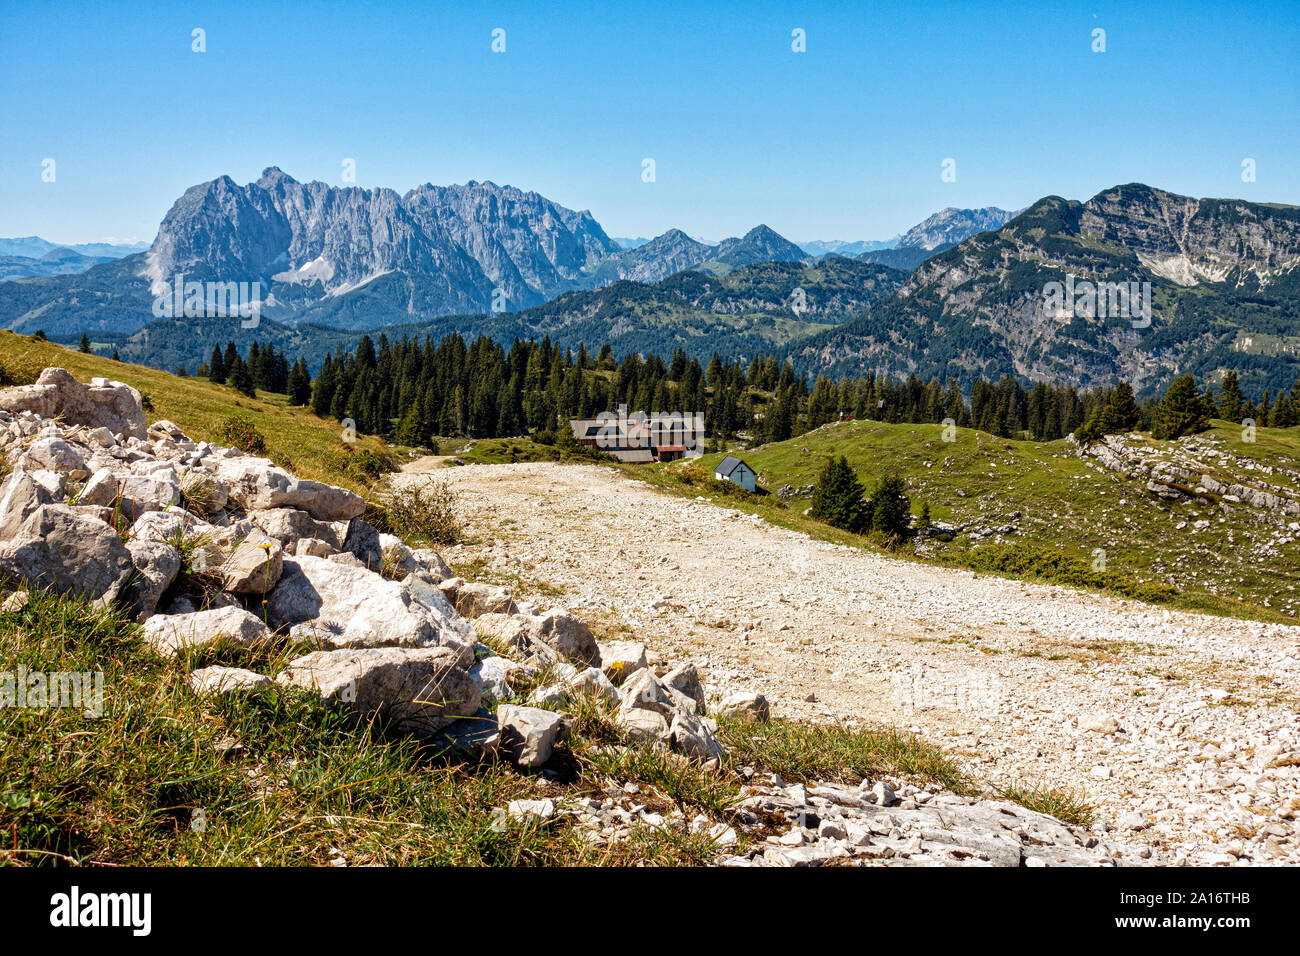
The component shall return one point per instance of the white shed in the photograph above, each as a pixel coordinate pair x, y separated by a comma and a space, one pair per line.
736, 471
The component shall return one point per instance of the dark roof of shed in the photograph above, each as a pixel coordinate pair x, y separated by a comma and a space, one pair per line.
729, 464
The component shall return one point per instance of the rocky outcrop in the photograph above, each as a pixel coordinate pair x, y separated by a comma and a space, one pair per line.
177, 633
1210, 273
58, 396
878, 823
1194, 467
257, 483
69, 552
419, 690
339, 606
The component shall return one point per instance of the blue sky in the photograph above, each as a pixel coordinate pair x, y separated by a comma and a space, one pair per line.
843, 141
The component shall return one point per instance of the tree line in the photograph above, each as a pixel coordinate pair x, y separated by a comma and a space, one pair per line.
411, 391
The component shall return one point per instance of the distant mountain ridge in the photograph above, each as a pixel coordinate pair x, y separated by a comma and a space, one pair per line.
840, 247
34, 247
949, 226
365, 258
486, 259
1223, 275
33, 256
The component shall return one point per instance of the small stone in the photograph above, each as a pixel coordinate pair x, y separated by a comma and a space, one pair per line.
221, 680
1099, 723
882, 794
528, 734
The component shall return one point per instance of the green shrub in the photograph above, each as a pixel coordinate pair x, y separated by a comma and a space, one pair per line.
424, 514
1057, 567
238, 432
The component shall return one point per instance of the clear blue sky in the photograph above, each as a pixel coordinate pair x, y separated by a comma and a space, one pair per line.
844, 141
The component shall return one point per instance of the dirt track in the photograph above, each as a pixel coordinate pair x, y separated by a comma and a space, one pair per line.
1000, 673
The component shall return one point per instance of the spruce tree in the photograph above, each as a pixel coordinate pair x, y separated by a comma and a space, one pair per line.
837, 499
1230, 397
890, 507
1180, 412
241, 379
217, 367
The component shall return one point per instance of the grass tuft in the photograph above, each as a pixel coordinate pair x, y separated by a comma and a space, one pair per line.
1068, 806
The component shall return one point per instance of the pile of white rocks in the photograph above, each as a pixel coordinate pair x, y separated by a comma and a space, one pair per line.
891, 823
102, 505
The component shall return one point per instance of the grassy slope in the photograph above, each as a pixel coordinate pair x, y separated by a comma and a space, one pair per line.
1231, 567
278, 777
311, 447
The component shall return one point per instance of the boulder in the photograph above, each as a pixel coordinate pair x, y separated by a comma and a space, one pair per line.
100, 436
156, 566
621, 659
98, 512
432, 564
693, 736
591, 683
55, 454
291, 525
421, 690
203, 492
312, 548
174, 633
474, 598
361, 539
503, 628
254, 567
641, 724
58, 395
224, 680
165, 429
20, 496
686, 680
644, 691
170, 526
346, 607
72, 553
102, 488
53, 482
140, 494
257, 483
527, 735
565, 634
745, 705
492, 675
399, 561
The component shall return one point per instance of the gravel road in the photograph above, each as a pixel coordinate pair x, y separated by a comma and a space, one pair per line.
1181, 728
